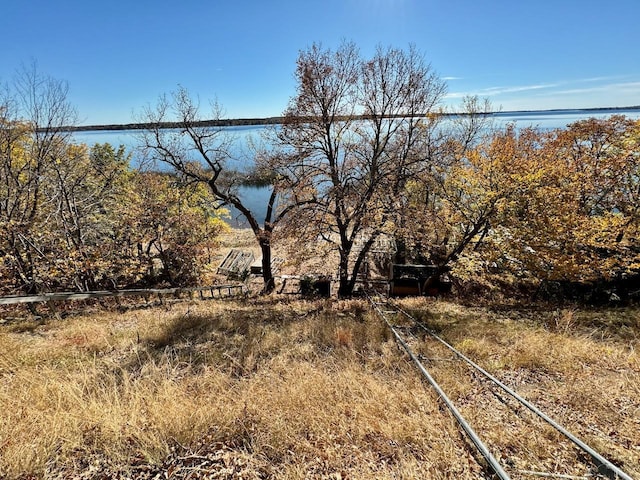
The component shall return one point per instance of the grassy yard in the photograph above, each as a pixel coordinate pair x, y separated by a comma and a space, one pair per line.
285, 388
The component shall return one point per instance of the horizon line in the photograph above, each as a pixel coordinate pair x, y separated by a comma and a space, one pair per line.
274, 120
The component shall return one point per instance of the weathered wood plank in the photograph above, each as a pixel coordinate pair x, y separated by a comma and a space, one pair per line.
68, 296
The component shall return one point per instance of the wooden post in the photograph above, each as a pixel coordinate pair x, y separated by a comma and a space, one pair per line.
52, 308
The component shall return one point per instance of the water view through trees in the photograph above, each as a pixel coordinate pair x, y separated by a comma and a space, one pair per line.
363, 152
243, 135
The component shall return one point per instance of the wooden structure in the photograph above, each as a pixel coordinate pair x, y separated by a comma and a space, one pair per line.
378, 261
316, 285
383, 244
256, 267
163, 295
222, 291
236, 264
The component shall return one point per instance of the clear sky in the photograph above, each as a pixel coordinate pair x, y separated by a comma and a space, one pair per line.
119, 55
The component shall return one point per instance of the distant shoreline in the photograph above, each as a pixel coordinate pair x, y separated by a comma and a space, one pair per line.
239, 122
231, 122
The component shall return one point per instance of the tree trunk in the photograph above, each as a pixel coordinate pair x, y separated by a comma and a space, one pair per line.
267, 273
345, 288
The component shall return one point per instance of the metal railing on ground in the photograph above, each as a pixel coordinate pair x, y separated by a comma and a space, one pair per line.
221, 290
404, 333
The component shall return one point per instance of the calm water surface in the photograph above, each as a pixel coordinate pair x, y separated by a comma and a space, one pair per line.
544, 120
257, 198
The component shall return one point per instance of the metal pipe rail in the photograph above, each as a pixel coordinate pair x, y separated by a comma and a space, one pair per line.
604, 466
473, 436
66, 296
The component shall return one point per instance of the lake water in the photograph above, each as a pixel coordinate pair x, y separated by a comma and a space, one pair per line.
548, 120
256, 198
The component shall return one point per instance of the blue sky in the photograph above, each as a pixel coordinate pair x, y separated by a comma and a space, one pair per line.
118, 56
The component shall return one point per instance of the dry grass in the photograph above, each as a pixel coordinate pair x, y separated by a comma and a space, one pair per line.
280, 388
580, 366
304, 389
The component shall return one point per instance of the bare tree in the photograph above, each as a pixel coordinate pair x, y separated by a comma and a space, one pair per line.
357, 128
201, 153
33, 113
